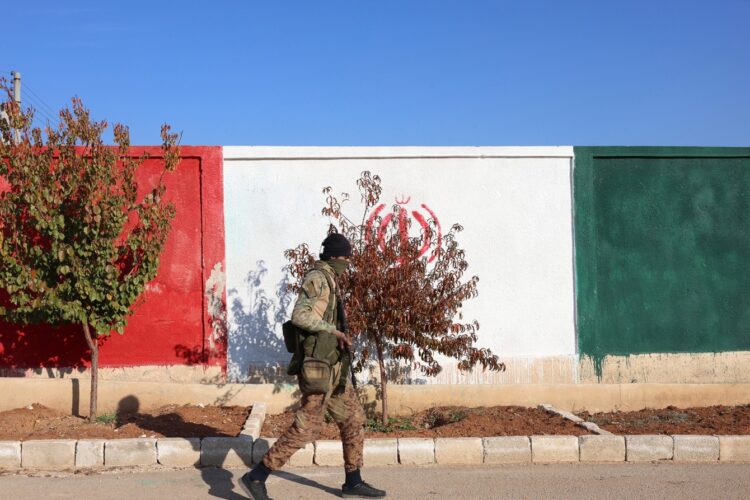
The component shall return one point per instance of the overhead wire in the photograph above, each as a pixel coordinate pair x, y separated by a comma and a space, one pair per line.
40, 113
37, 105
39, 109
41, 106
39, 99
43, 110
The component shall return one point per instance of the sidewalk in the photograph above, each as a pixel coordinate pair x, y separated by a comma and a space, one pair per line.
577, 481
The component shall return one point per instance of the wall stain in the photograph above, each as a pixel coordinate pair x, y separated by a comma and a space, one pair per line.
217, 311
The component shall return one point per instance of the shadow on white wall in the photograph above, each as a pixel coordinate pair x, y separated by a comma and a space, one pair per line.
256, 349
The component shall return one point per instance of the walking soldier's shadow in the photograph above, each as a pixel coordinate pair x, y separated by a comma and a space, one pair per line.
220, 481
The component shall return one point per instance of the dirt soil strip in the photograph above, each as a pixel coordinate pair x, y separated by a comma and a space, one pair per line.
39, 422
449, 421
712, 420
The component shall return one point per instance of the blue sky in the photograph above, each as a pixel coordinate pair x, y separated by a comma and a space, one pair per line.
365, 72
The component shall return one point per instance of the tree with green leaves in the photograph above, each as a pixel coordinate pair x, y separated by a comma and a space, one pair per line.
77, 243
405, 294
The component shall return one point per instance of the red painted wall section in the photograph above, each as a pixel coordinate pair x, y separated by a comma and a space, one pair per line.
215, 338
179, 319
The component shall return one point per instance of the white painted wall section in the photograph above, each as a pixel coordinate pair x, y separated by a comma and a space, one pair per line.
514, 204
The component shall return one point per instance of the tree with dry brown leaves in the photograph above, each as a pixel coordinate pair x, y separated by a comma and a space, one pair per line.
405, 292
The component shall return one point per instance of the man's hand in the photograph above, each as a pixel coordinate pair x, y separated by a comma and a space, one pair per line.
344, 341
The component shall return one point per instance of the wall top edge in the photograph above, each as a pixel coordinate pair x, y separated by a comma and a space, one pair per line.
355, 152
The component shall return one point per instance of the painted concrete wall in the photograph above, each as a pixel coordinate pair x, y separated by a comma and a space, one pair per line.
515, 206
662, 239
71, 395
178, 320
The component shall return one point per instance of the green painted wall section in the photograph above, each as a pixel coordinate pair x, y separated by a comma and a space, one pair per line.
662, 241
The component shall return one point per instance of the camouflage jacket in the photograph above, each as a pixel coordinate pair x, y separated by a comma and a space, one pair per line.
315, 311
312, 312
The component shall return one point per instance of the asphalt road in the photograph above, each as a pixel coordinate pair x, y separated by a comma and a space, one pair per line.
657, 481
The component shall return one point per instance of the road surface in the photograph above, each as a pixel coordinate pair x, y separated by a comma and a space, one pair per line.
575, 481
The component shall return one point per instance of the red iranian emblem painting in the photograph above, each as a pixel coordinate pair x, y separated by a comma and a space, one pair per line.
421, 215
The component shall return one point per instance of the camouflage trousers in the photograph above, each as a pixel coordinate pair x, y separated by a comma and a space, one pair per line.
343, 407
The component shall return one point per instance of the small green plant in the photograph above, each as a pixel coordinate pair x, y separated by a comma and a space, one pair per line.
405, 424
436, 417
106, 418
375, 424
457, 415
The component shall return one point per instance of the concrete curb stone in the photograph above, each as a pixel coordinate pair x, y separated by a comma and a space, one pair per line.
507, 450
589, 426
10, 455
227, 451
416, 451
261, 447
304, 456
381, 451
259, 410
252, 426
90, 453
329, 452
648, 448
459, 450
592, 427
178, 452
553, 449
734, 448
254, 422
602, 448
244, 451
130, 452
49, 454
691, 448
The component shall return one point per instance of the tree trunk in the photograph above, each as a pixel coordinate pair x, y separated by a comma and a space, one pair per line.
383, 383
91, 341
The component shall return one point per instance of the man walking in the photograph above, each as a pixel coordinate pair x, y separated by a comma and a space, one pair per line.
322, 364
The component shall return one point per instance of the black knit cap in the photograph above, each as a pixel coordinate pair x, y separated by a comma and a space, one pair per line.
336, 245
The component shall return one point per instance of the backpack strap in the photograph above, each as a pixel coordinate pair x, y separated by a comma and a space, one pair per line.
330, 314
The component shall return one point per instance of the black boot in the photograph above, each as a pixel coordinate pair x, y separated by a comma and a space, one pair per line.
361, 490
256, 490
